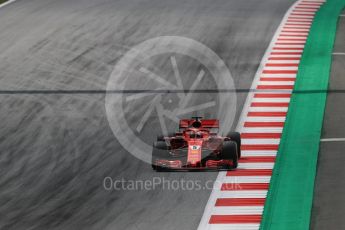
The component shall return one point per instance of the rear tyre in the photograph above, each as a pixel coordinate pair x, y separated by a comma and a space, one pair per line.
235, 136
230, 152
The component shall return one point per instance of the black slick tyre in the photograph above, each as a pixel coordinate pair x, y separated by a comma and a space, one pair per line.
235, 136
230, 152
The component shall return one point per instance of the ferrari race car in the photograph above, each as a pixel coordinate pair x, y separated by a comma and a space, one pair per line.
196, 147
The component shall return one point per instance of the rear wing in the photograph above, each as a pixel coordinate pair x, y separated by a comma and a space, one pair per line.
208, 124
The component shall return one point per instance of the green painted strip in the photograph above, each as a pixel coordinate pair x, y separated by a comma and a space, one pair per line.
289, 202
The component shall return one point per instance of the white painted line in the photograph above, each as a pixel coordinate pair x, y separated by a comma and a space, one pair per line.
305, 10
233, 226
287, 36
297, 27
314, 1
289, 50
272, 93
298, 30
277, 83
289, 45
263, 130
275, 54
306, 6
247, 179
238, 210
301, 18
332, 140
309, 4
255, 165
265, 119
243, 194
268, 109
256, 153
278, 75
281, 99
314, 8
338, 53
302, 15
292, 46
299, 22
294, 25
342, 15
297, 12
304, 33
283, 61
260, 141
7, 3
294, 21
281, 67
280, 95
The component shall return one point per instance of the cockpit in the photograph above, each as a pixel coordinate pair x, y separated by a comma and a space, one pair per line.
194, 134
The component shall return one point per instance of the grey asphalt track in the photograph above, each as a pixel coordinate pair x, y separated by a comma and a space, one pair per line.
329, 200
57, 148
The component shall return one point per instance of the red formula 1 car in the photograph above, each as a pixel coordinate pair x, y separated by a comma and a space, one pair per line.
196, 147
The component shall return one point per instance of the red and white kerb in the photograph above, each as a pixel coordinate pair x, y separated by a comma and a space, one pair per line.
238, 199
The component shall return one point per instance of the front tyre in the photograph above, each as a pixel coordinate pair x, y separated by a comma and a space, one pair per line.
235, 136
230, 152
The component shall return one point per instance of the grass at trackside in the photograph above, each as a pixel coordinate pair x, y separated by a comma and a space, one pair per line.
289, 201
3, 1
